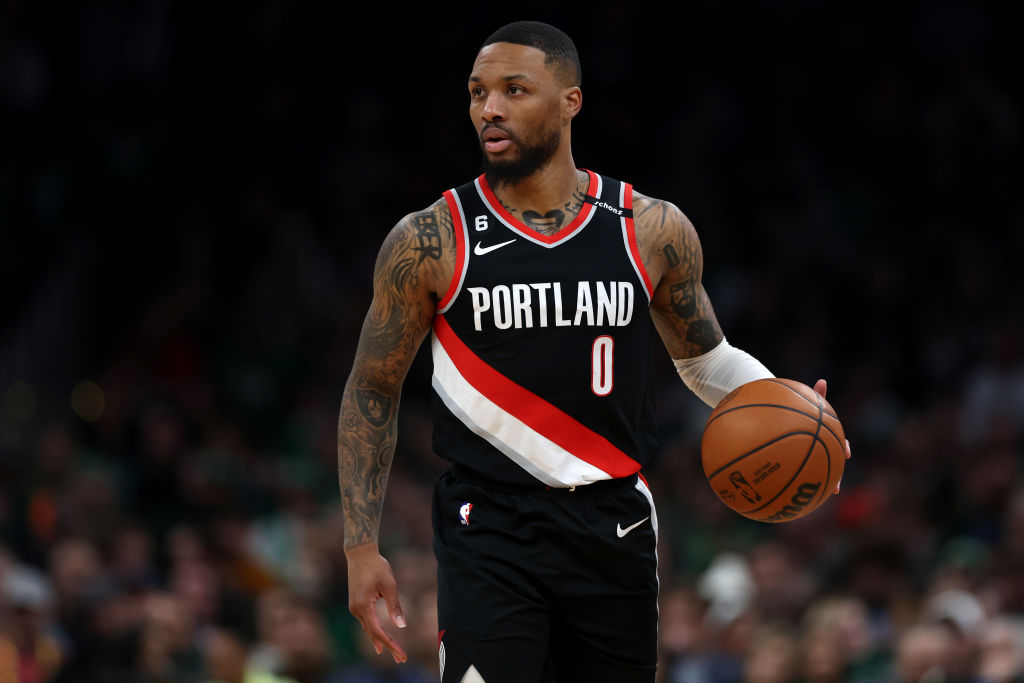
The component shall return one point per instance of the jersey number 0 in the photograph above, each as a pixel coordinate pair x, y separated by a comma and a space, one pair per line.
602, 362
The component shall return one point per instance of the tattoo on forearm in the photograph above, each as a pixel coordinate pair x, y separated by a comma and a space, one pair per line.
363, 470
703, 335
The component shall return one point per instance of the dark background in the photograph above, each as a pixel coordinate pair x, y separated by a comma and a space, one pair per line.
191, 200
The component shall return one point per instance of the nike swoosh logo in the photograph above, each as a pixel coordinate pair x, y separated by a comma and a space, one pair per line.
622, 532
480, 251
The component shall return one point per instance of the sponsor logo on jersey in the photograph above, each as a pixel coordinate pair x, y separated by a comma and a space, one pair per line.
480, 250
464, 513
611, 208
540, 304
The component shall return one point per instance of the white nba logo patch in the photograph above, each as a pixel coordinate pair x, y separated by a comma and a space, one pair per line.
464, 513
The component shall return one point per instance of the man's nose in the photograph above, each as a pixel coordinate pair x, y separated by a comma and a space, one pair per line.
493, 109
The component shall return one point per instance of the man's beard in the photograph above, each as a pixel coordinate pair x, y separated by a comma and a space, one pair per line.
531, 158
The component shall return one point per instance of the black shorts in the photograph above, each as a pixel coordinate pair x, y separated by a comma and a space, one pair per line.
546, 585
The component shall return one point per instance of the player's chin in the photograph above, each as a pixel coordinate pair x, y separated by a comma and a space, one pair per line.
505, 155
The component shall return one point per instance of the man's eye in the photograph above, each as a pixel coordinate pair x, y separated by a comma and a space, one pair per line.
514, 90
476, 92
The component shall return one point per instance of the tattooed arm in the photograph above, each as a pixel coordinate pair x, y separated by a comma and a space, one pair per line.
413, 268
680, 308
674, 261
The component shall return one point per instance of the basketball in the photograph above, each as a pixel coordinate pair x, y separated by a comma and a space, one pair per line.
773, 450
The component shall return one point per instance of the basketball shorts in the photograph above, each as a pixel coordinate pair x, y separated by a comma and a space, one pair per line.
546, 585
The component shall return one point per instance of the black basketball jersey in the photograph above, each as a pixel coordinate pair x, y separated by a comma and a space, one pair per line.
541, 345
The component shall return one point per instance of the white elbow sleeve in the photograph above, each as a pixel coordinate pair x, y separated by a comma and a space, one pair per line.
713, 375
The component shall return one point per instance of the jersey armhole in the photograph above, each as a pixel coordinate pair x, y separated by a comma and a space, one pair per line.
461, 250
629, 232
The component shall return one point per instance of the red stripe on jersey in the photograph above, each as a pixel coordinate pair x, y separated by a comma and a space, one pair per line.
562, 234
643, 479
460, 249
631, 236
532, 410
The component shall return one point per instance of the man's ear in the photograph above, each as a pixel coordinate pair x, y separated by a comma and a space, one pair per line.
572, 100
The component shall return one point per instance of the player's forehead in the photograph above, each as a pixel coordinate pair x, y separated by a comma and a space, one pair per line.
502, 60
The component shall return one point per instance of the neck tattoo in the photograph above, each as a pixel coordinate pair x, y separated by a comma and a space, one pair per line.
551, 222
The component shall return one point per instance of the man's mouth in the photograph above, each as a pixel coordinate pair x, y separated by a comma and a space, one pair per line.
495, 140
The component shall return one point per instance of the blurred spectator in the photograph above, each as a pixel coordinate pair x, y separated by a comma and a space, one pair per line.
963, 616
839, 643
27, 648
772, 657
304, 644
226, 661
1001, 659
921, 654
680, 629
166, 650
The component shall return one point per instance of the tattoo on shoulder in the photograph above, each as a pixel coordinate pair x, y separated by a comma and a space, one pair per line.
654, 212
427, 236
447, 224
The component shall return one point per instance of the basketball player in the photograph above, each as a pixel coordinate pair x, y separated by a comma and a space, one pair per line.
534, 280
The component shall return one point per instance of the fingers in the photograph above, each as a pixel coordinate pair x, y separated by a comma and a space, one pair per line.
820, 387
389, 592
848, 454
367, 616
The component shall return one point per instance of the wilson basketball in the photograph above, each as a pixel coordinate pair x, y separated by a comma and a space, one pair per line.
773, 450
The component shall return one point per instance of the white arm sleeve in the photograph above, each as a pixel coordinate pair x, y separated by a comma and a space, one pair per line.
711, 376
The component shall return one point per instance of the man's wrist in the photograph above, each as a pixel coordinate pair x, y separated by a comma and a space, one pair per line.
362, 547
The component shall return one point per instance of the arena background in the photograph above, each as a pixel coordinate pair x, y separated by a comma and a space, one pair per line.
191, 200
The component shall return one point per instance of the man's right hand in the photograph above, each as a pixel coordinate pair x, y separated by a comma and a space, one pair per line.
369, 579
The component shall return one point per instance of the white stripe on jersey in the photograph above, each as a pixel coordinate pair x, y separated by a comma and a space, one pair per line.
535, 453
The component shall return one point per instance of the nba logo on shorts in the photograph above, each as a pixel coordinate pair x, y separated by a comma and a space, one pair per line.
464, 513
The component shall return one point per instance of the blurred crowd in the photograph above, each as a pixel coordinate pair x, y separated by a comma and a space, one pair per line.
190, 206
